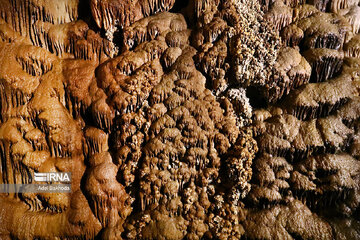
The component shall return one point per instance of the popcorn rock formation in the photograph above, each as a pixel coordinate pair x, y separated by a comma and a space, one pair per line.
181, 119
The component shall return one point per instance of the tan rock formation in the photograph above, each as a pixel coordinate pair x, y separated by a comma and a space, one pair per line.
179, 119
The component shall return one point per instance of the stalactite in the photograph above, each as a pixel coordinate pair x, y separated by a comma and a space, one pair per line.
325, 63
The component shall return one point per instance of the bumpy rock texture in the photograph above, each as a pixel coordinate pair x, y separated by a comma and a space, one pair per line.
181, 119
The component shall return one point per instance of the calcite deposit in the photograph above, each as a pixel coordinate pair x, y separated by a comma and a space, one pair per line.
199, 119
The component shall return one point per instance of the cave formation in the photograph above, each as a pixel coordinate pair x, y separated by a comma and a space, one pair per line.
198, 119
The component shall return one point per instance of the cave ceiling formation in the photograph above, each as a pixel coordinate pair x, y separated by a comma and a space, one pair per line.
198, 119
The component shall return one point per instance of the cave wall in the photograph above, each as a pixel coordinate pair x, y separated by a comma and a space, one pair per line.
178, 119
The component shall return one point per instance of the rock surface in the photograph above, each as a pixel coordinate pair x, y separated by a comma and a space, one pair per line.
181, 119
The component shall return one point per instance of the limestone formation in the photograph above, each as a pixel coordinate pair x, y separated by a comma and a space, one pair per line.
199, 119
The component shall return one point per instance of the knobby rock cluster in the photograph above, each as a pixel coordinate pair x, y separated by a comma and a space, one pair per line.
198, 119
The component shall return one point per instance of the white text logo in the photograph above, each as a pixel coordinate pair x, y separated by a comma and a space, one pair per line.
52, 177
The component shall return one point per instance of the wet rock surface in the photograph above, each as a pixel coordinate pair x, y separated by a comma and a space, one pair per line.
181, 119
